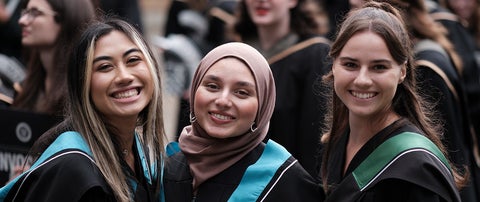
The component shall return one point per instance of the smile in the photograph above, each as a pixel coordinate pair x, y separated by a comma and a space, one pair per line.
363, 95
126, 94
221, 117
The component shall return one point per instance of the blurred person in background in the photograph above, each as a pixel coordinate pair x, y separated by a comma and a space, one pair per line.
287, 35
11, 67
440, 79
469, 13
128, 10
49, 28
465, 46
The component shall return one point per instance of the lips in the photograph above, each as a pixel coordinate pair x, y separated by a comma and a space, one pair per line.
126, 94
261, 11
25, 33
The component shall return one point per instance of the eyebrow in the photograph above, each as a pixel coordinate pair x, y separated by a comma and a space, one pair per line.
99, 58
374, 61
41, 9
239, 83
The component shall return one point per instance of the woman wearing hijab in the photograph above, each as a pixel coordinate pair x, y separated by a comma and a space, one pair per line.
221, 154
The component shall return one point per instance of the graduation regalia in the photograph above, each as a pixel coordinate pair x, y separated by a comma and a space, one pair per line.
299, 108
441, 84
267, 173
392, 166
66, 171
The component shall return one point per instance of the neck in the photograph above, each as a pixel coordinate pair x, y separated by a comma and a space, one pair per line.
126, 140
47, 61
364, 128
271, 34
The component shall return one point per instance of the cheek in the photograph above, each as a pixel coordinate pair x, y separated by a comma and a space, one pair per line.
51, 32
98, 87
250, 111
149, 85
199, 101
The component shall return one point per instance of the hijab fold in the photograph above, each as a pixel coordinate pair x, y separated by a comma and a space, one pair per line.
208, 156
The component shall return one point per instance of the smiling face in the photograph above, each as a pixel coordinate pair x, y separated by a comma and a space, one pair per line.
39, 28
366, 76
269, 12
121, 84
226, 102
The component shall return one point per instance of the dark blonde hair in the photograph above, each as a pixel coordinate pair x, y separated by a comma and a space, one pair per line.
385, 21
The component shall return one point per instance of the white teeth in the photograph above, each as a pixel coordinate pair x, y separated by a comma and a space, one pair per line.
363, 95
126, 94
222, 117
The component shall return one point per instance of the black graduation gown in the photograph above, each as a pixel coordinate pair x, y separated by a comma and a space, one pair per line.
299, 107
465, 47
289, 183
70, 174
414, 176
448, 94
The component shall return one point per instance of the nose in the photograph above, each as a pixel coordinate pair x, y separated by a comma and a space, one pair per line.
123, 76
223, 101
363, 77
24, 20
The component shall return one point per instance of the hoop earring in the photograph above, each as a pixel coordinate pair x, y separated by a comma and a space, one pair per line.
192, 118
253, 127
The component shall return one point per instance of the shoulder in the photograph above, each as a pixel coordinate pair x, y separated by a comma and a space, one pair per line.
400, 190
176, 167
393, 161
66, 175
75, 165
313, 43
307, 49
292, 183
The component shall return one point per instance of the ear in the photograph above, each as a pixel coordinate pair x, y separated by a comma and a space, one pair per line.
292, 3
333, 66
403, 73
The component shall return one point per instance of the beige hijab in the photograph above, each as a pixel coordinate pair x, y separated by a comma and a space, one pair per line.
208, 156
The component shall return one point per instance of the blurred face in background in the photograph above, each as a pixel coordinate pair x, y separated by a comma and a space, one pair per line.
356, 3
269, 12
39, 28
463, 8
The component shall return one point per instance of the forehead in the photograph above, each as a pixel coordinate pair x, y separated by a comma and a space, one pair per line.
227, 64
232, 67
366, 45
41, 4
113, 41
